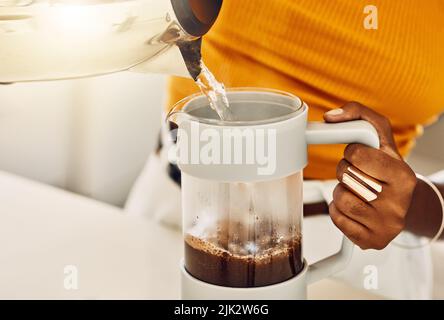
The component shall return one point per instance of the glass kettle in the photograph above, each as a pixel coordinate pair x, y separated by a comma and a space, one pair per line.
60, 39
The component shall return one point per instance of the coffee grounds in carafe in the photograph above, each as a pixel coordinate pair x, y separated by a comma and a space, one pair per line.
213, 264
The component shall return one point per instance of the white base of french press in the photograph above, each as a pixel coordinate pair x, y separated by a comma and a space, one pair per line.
292, 289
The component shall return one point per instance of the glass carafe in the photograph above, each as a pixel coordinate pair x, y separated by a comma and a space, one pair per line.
242, 197
243, 234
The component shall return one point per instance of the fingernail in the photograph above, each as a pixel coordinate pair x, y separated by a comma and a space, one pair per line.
335, 112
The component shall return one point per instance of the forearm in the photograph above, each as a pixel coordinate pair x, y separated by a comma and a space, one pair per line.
425, 215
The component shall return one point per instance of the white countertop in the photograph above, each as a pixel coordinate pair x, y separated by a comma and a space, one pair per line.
44, 229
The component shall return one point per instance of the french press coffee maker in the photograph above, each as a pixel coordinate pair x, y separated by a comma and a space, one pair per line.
242, 194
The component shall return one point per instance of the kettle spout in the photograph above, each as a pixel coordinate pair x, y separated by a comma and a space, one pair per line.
182, 58
192, 55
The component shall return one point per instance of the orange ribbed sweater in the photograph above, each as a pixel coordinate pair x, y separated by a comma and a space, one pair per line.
320, 51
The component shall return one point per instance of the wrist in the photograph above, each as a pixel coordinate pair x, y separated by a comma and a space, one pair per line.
425, 214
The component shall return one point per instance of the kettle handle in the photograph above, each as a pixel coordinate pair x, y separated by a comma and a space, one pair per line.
359, 131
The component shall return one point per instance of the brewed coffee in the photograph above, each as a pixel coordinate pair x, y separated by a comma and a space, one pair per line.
235, 265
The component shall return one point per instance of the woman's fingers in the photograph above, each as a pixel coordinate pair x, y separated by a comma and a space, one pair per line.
356, 111
353, 230
380, 177
373, 162
353, 207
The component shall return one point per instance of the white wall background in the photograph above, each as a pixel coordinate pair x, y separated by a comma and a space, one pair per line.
90, 136
431, 144
428, 155
34, 130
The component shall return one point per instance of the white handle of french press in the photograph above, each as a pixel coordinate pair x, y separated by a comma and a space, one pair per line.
338, 133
